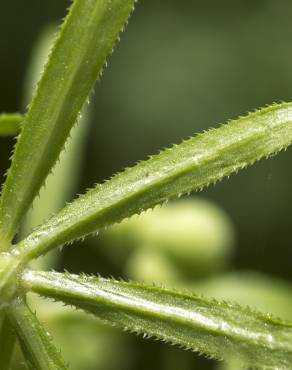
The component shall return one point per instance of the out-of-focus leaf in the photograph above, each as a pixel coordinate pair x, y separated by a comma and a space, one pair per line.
10, 124
194, 235
249, 288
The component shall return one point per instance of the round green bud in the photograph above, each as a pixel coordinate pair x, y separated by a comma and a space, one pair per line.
195, 234
152, 266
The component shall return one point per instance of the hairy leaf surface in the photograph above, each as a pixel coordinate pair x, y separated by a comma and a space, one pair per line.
35, 342
85, 40
193, 164
213, 328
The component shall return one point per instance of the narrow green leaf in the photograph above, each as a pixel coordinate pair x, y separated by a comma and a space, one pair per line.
96, 341
213, 328
7, 342
78, 56
195, 163
61, 184
10, 124
35, 342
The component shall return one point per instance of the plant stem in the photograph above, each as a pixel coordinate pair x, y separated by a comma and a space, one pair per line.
7, 342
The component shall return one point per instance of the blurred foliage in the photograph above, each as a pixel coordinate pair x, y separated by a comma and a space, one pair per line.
182, 67
190, 239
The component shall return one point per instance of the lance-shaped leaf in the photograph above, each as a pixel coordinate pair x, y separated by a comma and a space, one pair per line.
62, 183
213, 328
195, 163
35, 342
85, 40
10, 124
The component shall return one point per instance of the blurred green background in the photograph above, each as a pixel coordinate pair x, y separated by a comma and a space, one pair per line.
181, 67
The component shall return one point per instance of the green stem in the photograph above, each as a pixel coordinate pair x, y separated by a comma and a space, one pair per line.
7, 342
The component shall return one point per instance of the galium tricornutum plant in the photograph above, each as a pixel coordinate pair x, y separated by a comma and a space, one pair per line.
213, 328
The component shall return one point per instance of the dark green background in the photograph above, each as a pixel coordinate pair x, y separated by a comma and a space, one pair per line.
182, 66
